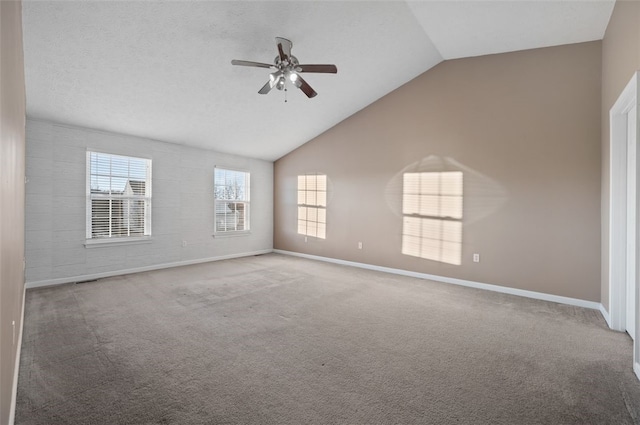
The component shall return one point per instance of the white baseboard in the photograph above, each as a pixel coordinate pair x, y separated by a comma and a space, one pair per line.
496, 288
486, 286
605, 315
636, 369
16, 371
82, 278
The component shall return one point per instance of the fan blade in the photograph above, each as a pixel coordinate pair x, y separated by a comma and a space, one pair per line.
266, 88
249, 63
284, 48
324, 69
273, 80
305, 87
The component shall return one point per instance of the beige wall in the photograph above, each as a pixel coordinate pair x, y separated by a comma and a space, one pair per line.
524, 128
12, 158
620, 59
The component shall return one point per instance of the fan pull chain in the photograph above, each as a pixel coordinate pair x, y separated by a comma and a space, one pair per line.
285, 94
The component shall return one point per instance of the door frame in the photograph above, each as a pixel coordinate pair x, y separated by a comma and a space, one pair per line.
618, 214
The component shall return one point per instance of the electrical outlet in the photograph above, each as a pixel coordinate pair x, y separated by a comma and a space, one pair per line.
476, 258
359, 245
184, 244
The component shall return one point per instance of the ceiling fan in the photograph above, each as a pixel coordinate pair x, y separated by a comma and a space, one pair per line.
286, 67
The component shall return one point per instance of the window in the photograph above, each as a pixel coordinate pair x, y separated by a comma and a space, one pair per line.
118, 196
312, 205
231, 193
432, 216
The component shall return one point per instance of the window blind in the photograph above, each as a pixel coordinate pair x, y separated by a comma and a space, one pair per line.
118, 196
231, 199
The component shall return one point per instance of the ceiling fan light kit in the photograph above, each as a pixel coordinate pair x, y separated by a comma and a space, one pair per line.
286, 67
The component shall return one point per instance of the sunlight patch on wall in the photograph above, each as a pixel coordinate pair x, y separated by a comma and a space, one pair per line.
432, 215
312, 205
483, 196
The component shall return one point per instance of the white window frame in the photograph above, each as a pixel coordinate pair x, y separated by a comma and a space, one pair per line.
245, 200
312, 205
146, 198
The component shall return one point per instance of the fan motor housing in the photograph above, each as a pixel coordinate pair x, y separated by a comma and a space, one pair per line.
289, 63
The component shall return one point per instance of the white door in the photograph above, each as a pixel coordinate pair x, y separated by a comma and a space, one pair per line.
632, 221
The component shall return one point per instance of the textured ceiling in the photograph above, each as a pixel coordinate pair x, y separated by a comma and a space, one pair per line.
162, 70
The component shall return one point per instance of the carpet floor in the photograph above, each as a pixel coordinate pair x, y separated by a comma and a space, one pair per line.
275, 339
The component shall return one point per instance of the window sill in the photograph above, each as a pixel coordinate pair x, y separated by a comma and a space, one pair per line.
99, 243
232, 234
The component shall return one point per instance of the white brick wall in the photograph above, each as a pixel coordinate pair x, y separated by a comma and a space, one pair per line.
182, 205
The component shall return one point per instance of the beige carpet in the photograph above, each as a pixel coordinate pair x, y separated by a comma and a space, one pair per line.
282, 340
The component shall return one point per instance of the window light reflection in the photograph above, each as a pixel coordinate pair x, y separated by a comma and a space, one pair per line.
312, 205
432, 215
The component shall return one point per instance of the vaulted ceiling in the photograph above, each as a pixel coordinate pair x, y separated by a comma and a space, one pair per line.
162, 69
